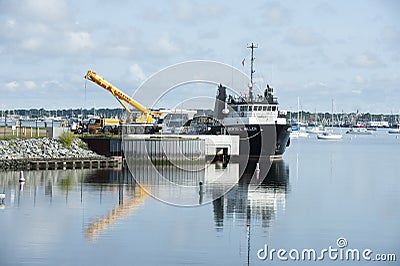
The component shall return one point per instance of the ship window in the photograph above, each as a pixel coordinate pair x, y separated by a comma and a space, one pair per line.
269, 108
250, 108
259, 108
273, 108
264, 108
243, 108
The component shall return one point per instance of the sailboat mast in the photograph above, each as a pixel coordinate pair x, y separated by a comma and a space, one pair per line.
298, 109
332, 114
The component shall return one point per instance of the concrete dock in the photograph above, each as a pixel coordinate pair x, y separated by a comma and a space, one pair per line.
186, 146
155, 144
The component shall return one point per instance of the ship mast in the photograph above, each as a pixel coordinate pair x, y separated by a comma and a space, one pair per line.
251, 46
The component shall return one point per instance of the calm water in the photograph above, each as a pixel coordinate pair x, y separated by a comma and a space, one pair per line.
321, 191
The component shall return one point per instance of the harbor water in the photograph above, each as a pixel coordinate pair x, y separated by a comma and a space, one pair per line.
323, 195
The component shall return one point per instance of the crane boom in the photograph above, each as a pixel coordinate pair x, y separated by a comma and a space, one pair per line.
147, 114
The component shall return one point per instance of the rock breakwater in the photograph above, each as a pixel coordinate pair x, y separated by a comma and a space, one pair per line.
16, 153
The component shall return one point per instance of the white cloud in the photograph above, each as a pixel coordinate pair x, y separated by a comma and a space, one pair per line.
10, 23
359, 79
31, 44
209, 34
303, 37
315, 84
60, 39
166, 45
78, 41
15, 86
276, 14
363, 61
324, 8
37, 29
136, 73
43, 10
191, 11
11, 86
390, 37
119, 51
29, 84
51, 84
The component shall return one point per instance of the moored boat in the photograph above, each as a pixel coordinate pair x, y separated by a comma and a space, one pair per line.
359, 131
299, 134
262, 127
329, 136
316, 130
394, 131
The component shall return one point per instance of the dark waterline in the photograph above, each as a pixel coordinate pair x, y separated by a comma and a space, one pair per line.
320, 191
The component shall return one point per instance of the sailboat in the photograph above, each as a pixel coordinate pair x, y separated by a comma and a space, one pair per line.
359, 131
329, 135
395, 130
298, 131
317, 128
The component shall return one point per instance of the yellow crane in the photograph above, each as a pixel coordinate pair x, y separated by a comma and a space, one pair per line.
147, 116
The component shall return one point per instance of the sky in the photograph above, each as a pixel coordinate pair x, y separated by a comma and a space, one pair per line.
345, 52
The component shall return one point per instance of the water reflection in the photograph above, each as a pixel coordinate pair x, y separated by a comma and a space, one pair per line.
252, 204
191, 185
256, 202
107, 196
104, 195
124, 208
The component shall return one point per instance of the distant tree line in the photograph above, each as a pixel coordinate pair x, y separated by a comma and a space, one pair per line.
304, 116
340, 118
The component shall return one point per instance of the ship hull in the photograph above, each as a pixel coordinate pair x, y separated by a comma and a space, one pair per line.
261, 140
282, 139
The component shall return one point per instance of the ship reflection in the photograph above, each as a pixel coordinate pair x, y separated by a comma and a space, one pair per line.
256, 202
251, 203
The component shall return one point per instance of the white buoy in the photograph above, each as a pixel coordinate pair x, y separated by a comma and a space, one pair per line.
258, 167
21, 176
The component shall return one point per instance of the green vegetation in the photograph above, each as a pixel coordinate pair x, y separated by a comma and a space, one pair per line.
83, 145
8, 137
66, 139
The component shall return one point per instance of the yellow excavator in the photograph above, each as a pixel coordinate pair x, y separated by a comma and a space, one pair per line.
146, 122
